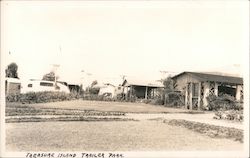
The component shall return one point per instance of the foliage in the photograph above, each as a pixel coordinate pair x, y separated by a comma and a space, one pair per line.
210, 130
169, 84
41, 97
11, 70
236, 115
49, 76
94, 83
94, 90
223, 102
174, 99
157, 101
96, 97
171, 96
120, 96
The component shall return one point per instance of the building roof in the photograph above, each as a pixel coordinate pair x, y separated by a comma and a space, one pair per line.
143, 83
212, 77
13, 80
103, 85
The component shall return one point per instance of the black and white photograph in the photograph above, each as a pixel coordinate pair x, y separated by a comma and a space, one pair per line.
121, 79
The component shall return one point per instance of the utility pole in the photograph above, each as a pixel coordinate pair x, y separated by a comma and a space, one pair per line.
55, 67
123, 79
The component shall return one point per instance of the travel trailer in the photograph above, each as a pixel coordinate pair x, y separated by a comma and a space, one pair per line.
41, 85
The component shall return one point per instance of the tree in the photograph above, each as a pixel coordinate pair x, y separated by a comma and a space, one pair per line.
94, 83
50, 76
11, 71
93, 89
169, 84
171, 96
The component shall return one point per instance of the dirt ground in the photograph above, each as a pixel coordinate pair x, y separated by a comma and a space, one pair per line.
146, 132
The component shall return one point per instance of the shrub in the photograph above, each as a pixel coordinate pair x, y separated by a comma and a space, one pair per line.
147, 101
223, 102
94, 90
175, 99
93, 97
41, 97
157, 102
120, 97
236, 115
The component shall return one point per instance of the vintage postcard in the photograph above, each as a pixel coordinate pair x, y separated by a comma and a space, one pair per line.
121, 79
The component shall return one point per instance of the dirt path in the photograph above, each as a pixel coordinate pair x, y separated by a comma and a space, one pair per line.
202, 118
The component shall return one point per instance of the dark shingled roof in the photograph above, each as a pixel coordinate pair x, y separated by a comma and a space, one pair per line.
212, 77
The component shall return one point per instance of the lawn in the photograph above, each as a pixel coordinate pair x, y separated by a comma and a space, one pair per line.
93, 125
109, 136
124, 107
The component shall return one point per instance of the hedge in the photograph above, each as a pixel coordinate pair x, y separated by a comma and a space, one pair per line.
223, 102
41, 97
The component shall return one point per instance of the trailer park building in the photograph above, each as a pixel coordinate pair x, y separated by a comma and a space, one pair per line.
141, 89
197, 86
12, 85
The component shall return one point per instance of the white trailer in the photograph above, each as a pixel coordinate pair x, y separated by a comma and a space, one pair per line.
41, 86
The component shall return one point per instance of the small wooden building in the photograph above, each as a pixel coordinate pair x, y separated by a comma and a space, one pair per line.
12, 86
141, 89
197, 86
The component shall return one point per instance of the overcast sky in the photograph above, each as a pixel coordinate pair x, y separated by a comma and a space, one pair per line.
108, 39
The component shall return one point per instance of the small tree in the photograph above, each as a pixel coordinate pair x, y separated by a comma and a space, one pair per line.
93, 89
94, 83
169, 84
171, 96
50, 76
11, 71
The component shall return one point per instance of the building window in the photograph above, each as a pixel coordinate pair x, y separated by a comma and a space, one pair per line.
30, 85
195, 89
46, 84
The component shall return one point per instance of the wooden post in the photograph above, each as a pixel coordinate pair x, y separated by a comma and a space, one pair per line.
126, 96
146, 93
238, 92
206, 93
186, 97
216, 88
131, 91
191, 96
6, 87
199, 96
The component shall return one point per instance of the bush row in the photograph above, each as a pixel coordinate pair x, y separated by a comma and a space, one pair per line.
236, 115
223, 102
41, 97
119, 97
171, 99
